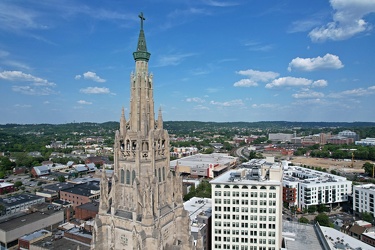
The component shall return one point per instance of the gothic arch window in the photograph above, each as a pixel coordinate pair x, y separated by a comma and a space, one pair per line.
226, 186
127, 177
122, 176
272, 187
235, 186
244, 187
133, 176
263, 187
254, 187
159, 175
163, 173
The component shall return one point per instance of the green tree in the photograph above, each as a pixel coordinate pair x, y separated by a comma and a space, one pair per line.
323, 219
303, 220
368, 167
366, 216
208, 151
312, 209
17, 184
61, 178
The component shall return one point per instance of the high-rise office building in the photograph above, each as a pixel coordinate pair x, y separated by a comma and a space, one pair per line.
247, 209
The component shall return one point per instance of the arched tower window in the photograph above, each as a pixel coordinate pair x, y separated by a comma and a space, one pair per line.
127, 177
159, 175
122, 176
133, 176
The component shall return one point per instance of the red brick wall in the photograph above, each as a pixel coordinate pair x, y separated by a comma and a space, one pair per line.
84, 214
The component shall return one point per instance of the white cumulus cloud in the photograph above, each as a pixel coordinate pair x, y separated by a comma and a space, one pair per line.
319, 83
33, 90
288, 81
308, 95
264, 105
348, 20
353, 92
201, 107
83, 102
256, 75
90, 76
245, 83
328, 61
95, 90
236, 102
195, 99
295, 82
253, 77
19, 76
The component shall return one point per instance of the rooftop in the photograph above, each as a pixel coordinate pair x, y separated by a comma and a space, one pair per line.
202, 160
339, 240
198, 206
297, 236
60, 244
23, 219
248, 176
91, 206
35, 235
309, 176
6, 184
84, 189
58, 186
18, 199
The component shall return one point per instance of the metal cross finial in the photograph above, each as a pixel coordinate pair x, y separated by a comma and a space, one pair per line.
142, 19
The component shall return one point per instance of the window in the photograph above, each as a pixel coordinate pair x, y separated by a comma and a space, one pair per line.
122, 176
163, 173
127, 177
133, 176
159, 175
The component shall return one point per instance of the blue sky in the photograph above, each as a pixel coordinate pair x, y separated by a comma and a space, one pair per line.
235, 60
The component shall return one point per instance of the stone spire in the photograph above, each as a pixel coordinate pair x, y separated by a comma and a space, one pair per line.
123, 122
144, 209
142, 115
160, 119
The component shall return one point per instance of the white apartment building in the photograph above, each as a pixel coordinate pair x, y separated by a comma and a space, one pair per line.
280, 137
366, 142
315, 187
247, 209
363, 199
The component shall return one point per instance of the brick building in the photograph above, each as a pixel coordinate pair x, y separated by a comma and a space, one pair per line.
86, 211
81, 193
6, 187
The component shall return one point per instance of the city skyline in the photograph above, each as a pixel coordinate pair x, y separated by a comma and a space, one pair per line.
65, 61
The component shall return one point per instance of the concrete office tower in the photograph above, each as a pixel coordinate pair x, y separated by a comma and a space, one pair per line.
144, 209
247, 209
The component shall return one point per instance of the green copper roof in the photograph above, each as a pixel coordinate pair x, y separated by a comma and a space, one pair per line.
141, 54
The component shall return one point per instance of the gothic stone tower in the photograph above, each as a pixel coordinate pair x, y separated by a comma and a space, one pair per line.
144, 209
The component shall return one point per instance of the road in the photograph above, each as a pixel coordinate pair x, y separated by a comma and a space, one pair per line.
238, 153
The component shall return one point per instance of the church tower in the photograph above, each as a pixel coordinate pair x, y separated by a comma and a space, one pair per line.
144, 208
